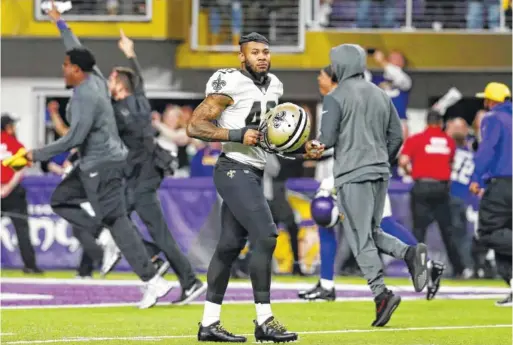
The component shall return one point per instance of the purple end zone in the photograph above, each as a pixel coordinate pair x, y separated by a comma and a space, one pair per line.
67, 294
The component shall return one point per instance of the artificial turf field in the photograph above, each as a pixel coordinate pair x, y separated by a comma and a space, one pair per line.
58, 309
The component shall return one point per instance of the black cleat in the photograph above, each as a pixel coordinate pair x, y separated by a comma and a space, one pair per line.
434, 278
318, 293
506, 302
416, 260
272, 330
190, 294
386, 304
301, 294
216, 333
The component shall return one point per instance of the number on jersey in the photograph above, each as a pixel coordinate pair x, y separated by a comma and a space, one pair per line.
463, 167
256, 113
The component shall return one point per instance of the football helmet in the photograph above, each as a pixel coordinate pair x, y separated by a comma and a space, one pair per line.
285, 128
324, 209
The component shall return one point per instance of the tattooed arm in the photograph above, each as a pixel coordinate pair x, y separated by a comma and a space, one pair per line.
201, 125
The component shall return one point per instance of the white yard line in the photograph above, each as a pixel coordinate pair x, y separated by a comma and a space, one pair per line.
158, 338
277, 301
245, 285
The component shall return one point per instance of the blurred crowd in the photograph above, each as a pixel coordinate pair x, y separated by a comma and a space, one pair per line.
436, 14
385, 14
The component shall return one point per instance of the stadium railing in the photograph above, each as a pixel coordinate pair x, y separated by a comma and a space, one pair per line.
217, 24
407, 15
102, 11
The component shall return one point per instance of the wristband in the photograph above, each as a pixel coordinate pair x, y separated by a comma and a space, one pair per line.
61, 24
237, 135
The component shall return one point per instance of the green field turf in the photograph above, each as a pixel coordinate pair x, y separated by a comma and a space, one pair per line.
416, 322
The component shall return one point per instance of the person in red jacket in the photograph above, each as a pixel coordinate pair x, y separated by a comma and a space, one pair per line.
427, 157
14, 203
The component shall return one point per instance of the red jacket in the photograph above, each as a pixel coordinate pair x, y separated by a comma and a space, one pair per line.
9, 146
431, 153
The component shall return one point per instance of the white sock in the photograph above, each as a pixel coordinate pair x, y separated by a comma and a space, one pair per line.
327, 284
263, 312
211, 313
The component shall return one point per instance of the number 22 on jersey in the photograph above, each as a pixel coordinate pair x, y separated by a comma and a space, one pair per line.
463, 167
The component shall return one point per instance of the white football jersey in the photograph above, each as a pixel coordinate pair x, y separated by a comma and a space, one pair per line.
250, 103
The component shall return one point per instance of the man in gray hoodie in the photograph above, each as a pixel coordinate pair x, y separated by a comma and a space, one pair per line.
360, 121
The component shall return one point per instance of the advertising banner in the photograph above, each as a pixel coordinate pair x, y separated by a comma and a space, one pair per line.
191, 207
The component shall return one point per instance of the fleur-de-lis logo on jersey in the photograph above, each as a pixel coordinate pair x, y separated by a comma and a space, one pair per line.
218, 84
231, 173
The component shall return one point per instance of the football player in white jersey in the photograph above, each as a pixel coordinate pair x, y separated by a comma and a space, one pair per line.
237, 100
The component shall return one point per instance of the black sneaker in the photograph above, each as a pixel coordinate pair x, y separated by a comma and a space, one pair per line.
416, 260
434, 278
506, 302
272, 330
386, 304
216, 333
318, 292
190, 294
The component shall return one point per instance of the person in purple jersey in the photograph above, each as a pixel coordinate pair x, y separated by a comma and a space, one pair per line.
462, 170
325, 213
493, 158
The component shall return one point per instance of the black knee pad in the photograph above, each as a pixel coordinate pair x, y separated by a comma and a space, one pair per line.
228, 252
266, 244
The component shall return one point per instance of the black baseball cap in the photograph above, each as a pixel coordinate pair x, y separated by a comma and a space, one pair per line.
7, 120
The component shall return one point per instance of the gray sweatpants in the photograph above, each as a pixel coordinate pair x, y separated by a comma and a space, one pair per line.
361, 209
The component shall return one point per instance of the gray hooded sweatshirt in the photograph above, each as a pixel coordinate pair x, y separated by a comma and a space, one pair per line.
359, 120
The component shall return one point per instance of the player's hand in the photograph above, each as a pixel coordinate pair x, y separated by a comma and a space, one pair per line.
29, 156
53, 107
54, 13
251, 137
379, 57
314, 149
476, 189
126, 45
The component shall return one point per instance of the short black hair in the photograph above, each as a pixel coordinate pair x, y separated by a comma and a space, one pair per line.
83, 58
331, 73
434, 117
127, 77
253, 37
7, 120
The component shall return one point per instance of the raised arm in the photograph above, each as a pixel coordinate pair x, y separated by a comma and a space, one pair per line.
126, 45
70, 40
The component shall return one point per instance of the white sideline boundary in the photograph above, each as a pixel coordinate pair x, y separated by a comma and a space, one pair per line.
247, 285
162, 337
277, 301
